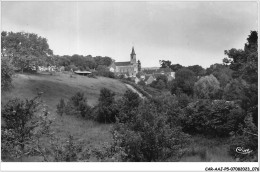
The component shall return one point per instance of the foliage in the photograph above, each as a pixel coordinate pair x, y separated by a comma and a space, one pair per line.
107, 110
139, 65
246, 138
167, 63
148, 137
141, 83
129, 102
198, 70
245, 66
7, 72
183, 100
184, 82
78, 105
83, 62
207, 87
214, 118
222, 72
67, 151
104, 71
160, 82
27, 50
61, 107
26, 122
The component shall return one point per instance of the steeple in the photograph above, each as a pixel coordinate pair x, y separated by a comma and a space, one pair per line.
133, 56
133, 51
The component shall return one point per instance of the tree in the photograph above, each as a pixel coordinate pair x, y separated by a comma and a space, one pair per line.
139, 65
25, 123
245, 66
176, 67
106, 106
27, 50
7, 72
184, 82
148, 137
222, 72
198, 70
165, 63
207, 87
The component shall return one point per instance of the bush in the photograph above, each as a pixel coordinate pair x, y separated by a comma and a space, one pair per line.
25, 123
129, 102
214, 118
67, 151
246, 138
183, 100
106, 108
142, 83
183, 82
61, 107
160, 85
7, 72
148, 137
77, 105
207, 87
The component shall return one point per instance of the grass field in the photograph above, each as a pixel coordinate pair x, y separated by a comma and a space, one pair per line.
64, 86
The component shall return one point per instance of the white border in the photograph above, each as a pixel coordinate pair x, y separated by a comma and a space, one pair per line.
120, 166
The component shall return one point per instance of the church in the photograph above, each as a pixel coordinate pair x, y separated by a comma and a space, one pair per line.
128, 68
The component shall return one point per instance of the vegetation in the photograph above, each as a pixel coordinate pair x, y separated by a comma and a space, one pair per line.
184, 82
107, 111
25, 124
219, 103
27, 50
7, 72
207, 87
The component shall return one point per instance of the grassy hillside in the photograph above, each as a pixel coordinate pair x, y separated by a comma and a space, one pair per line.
59, 86
64, 86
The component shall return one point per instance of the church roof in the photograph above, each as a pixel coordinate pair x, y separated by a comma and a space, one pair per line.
123, 63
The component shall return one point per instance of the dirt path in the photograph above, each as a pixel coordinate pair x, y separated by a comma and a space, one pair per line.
134, 90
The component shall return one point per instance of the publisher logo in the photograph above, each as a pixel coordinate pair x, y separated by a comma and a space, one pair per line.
242, 150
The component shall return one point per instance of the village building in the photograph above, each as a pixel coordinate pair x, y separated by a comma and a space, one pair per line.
128, 68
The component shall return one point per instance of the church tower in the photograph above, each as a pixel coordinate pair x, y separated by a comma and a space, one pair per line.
133, 56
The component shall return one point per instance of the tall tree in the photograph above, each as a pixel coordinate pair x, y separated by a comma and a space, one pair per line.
207, 87
184, 82
139, 65
165, 63
27, 50
198, 70
245, 66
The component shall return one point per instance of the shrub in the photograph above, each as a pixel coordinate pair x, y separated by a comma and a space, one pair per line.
7, 72
183, 100
77, 105
107, 109
183, 82
246, 138
215, 118
148, 137
66, 151
129, 102
142, 83
160, 85
25, 123
207, 87
61, 107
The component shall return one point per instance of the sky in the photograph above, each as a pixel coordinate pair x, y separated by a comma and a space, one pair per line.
188, 33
